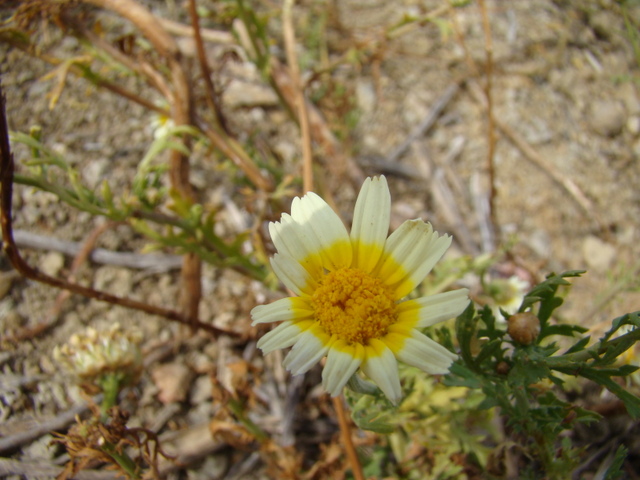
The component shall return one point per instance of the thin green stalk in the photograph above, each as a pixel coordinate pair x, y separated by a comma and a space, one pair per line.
238, 411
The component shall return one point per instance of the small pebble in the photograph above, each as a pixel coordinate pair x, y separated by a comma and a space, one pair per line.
52, 263
598, 254
607, 117
172, 380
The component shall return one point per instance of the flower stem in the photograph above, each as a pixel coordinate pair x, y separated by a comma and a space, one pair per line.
345, 430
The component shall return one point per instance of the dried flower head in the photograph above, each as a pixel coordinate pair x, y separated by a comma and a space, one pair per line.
93, 354
351, 288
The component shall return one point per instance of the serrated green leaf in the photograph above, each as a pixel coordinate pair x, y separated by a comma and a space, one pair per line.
460, 376
615, 470
465, 330
631, 402
579, 345
489, 350
563, 329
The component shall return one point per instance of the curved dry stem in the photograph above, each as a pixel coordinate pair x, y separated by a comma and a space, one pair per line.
347, 440
301, 104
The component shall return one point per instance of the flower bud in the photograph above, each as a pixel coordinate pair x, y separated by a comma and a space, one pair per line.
524, 328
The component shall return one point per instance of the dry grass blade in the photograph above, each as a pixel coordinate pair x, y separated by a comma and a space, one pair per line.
300, 103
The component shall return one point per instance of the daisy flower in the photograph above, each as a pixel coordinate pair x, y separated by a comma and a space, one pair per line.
351, 287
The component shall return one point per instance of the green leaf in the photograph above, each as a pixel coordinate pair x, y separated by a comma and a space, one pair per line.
491, 349
615, 469
564, 329
631, 402
465, 330
460, 376
579, 345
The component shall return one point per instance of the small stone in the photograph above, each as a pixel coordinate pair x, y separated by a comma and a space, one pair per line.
201, 391
245, 94
633, 125
6, 282
366, 95
604, 24
598, 255
94, 172
52, 263
118, 281
172, 381
11, 321
607, 117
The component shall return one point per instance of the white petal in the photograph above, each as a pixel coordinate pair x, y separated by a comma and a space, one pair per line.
327, 233
306, 352
292, 274
342, 363
410, 254
283, 336
370, 223
290, 308
430, 310
298, 242
422, 352
382, 368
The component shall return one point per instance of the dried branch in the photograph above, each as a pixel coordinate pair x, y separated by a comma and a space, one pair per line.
143, 261
213, 99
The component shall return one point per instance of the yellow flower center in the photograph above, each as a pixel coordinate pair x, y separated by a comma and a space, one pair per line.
353, 305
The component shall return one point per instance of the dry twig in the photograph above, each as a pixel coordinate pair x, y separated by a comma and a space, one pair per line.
434, 113
61, 421
142, 261
347, 440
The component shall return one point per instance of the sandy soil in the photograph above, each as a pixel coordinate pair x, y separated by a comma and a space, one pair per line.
566, 102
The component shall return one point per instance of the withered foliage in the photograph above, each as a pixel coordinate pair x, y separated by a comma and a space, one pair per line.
96, 441
29, 12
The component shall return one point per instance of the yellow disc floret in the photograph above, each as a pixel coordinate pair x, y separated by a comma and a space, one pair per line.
353, 305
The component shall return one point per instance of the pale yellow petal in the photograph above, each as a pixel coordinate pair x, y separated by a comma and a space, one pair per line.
298, 242
283, 336
370, 223
342, 362
290, 308
310, 347
380, 366
420, 351
327, 234
293, 275
426, 311
410, 254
